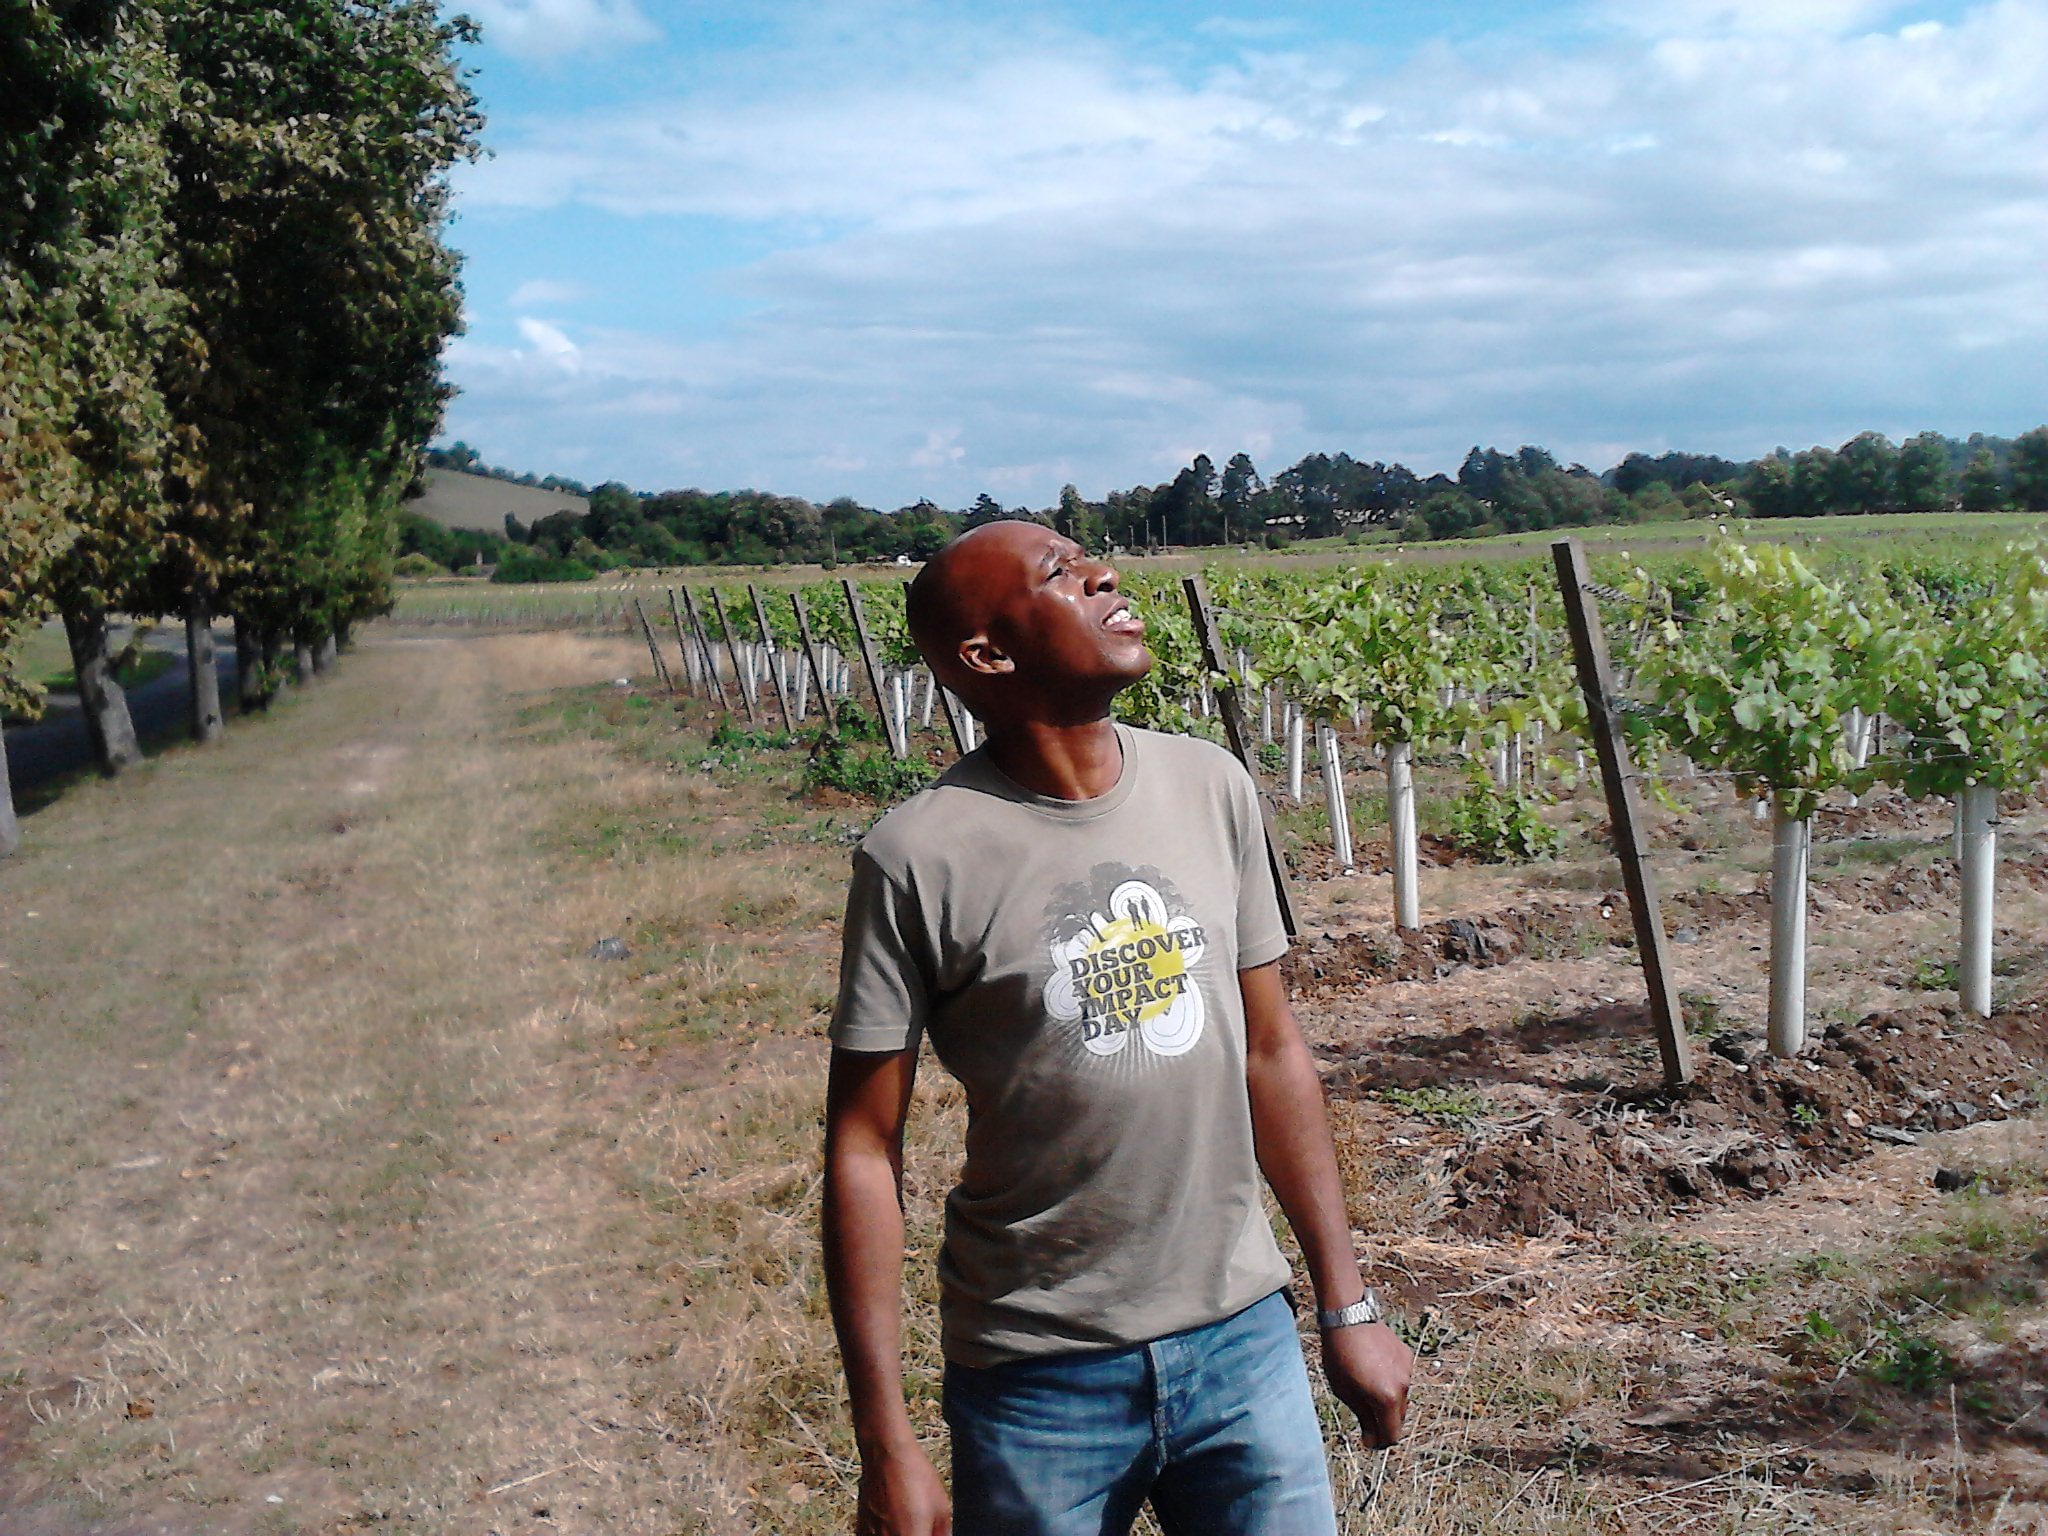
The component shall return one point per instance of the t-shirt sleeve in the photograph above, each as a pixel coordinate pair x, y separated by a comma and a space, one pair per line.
1261, 935
882, 968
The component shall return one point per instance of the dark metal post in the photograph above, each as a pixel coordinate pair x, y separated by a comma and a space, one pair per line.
704, 650
1228, 706
952, 707
732, 649
653, 649
803, 630
867, 656
768, 645
675, 613
1603, 724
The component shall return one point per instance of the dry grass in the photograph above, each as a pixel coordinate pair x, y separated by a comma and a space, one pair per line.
339, 1175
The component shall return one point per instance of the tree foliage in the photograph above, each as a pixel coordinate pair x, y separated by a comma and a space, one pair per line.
223, 296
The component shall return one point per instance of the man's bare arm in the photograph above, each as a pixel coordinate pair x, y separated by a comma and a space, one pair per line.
867, 1101
1367, 1365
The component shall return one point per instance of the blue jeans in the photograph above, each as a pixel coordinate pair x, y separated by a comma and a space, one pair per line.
1215, 1426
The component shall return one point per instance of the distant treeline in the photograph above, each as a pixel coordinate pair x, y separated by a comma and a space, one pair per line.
1323, 496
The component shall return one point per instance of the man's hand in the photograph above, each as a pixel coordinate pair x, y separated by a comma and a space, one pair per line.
901, 1495
1368, 1367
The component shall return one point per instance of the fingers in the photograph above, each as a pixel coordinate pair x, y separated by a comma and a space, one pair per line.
1369, 1368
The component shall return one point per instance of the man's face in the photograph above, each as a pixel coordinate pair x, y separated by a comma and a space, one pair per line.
1054, 612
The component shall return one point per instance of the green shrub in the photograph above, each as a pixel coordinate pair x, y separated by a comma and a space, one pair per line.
521, 564
1445, 1106
417, 564
1498, 826
863, 770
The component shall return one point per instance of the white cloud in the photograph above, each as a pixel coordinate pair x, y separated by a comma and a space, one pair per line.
1028, 259
549, 342
549, 29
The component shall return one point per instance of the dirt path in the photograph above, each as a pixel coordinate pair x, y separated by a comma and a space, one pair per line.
308, 1220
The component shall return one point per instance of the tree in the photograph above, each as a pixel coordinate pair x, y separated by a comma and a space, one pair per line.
308, 156
1982, 487
1817, 482
1769, 490
1240, 484
2030, 470
61, 105
1922, 472
107, 318
1865, 474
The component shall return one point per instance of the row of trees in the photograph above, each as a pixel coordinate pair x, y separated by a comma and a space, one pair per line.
1322, 496
223, 297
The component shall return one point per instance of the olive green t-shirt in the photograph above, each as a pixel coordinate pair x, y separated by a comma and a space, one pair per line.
1074, 964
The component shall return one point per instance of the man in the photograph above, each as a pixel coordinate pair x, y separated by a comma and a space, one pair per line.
1081, 918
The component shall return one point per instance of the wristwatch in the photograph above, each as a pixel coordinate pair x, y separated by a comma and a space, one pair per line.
1364, 1310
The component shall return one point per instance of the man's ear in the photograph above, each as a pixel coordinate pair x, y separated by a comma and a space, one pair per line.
980, 654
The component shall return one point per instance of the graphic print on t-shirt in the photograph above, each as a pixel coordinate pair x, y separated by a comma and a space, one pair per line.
1124, 949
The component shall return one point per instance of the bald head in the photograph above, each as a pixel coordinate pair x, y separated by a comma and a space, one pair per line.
953, 598
1012, 612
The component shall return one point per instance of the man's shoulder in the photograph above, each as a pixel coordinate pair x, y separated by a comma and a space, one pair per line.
929, 820
1186, 761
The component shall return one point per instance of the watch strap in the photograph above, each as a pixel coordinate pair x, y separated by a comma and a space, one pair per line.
1364, 1310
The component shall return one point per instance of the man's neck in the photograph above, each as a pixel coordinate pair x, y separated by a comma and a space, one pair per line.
1065, 762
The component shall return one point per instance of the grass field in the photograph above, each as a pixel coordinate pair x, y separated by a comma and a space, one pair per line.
345, 1189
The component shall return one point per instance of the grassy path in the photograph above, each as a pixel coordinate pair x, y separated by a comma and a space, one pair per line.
305, 1220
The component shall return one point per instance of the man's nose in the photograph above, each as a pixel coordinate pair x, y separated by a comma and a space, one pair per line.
1102, 578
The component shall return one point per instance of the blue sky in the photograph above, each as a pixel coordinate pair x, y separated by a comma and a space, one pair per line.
892, 249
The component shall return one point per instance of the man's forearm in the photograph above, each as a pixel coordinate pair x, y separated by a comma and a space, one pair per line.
863, 1242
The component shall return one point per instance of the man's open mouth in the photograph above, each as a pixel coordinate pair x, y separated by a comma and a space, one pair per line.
1122, 621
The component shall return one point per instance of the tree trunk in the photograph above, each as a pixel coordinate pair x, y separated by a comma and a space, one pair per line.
107, 725
325, 652
200, 666
1333, 794
10, 827
302, 661
1790, 839
1976, 826
249, 673
1401, 833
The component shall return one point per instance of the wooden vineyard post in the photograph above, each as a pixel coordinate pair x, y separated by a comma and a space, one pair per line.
1228, 705
1596, 681
732, 650
803, 630
653, 649
867, 656
704, 650
768, 649
675, 613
